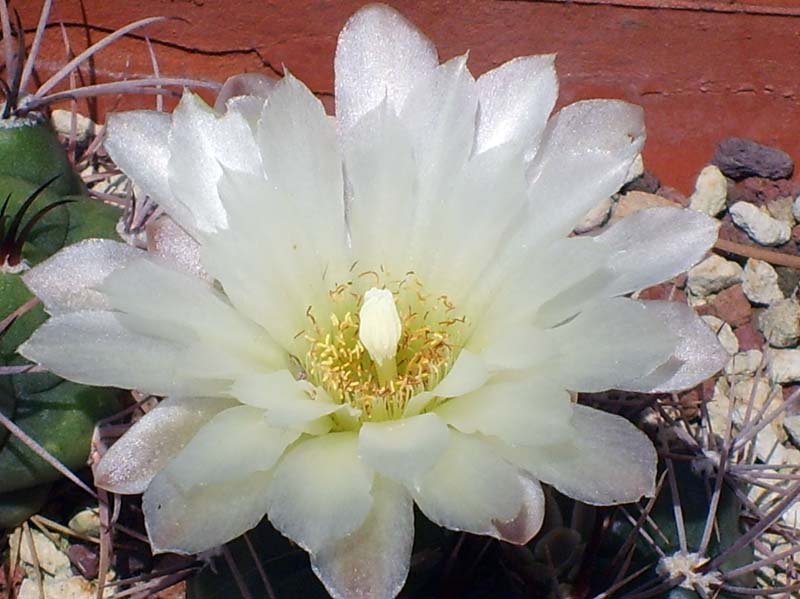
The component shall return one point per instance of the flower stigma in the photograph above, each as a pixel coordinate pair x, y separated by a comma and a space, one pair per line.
379, 331
380, 348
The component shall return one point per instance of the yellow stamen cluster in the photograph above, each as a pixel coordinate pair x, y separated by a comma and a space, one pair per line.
337, 361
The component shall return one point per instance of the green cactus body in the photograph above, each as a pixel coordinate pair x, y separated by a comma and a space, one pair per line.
31, 150
57, 414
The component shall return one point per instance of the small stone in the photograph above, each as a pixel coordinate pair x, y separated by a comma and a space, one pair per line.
75, 587
739, 158
713, 274
49, 557
755, 390
781, 209
784, 365
792, 426
758, 190
760, 226
719, 405
633, 201
62, 123
744, 363
86, 560
788, 279
647, 182
663, 291
596, 217
732, 306
760, 282
780, 323
710, 191
796, 233
86, 522
791, 517
796, 208
749, 337
724, 333
636, 169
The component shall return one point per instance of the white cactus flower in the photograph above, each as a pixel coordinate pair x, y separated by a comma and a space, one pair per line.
389, 309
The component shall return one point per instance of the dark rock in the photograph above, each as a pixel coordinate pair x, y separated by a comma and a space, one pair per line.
758, 190
663, 291
788, 278
85, 559
788, 390
749, 337
732, 306
740, 158
647, 182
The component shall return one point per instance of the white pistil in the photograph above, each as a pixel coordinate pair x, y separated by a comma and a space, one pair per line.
379, 331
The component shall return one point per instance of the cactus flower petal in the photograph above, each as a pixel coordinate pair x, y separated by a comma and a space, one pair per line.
132, 462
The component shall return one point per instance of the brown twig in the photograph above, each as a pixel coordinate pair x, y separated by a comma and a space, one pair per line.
748, 251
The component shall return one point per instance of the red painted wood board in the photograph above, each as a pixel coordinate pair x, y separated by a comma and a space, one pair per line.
702, 69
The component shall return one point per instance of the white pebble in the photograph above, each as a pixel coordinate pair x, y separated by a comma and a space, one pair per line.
713, 274
760, 282
760, 226
710, 191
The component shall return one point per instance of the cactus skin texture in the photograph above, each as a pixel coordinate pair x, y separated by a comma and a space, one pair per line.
58, 414
30, 150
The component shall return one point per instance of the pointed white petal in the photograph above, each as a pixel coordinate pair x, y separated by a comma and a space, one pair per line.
380, 54
287, 403
584, 157
610, 343
265, 224
403, 449
301, 160
527, 412
439, 113
230, 447
204, 517
654, 245
516, 99
470, 488
372, 562
68, 281
202, 143
467, 374
132, 462
187, 309
534, 287
457, 258
439, 116
698, 354
137, 142
320, 491
519, 348
381, 172
93, 348
607, 461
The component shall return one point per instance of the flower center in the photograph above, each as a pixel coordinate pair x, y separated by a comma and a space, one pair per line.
378, 349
